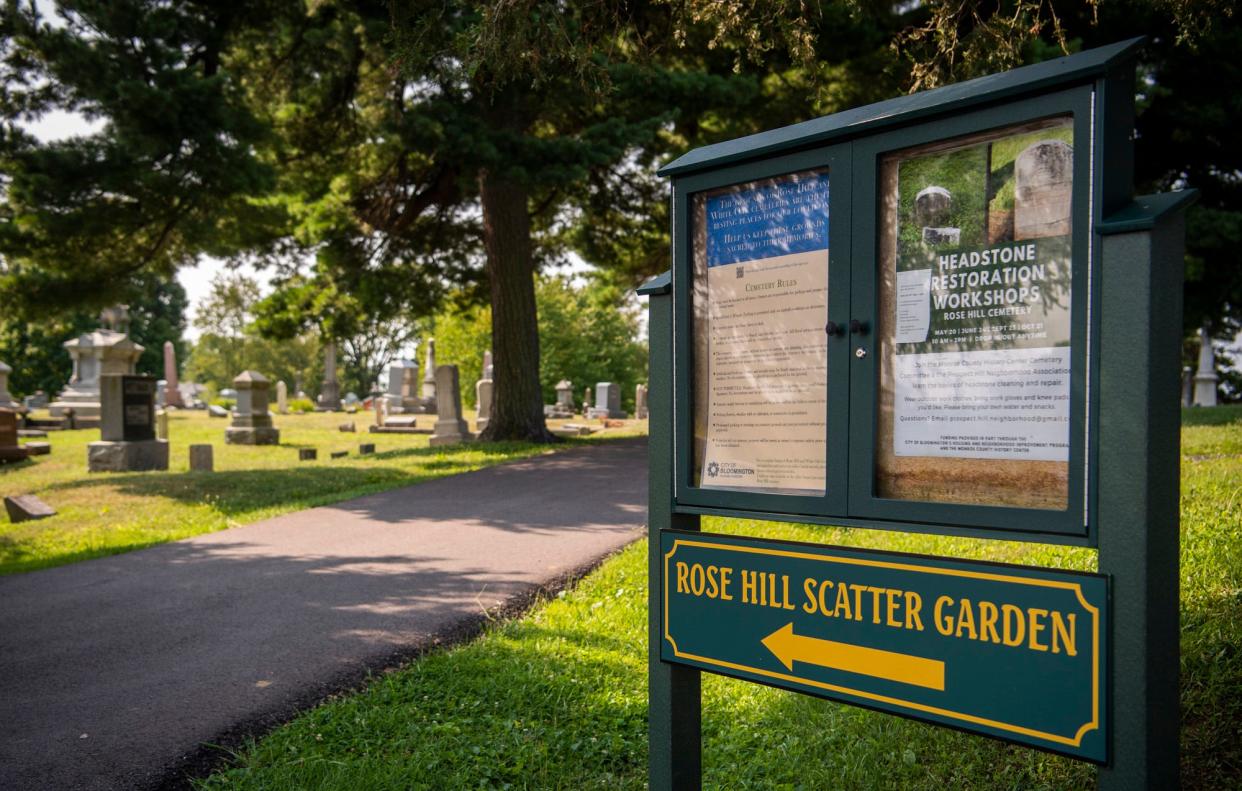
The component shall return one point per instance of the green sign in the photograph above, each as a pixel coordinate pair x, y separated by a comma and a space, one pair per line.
1012, 652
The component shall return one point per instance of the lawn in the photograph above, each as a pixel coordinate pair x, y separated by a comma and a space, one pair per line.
557, 699
106, 513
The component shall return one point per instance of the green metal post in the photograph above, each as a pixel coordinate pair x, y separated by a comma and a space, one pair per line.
1140, 359
673, 691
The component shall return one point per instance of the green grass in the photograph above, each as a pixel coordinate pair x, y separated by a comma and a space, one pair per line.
557, 699
107, 513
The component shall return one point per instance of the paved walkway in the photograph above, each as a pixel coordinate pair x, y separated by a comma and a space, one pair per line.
115, 672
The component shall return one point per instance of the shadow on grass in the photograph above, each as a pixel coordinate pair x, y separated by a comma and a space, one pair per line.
1212, 415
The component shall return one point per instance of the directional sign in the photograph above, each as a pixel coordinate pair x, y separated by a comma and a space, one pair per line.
1012, 652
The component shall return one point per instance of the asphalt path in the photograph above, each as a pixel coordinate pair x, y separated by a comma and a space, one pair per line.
120, 672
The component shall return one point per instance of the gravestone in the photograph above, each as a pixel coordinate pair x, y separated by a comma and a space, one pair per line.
6, 399
9, 449
348, 428
252, 422
640, 402
161, 424
483, 390
36, 401
1205, 377
25, 507
932, 206
202, 458
307, 454
586, 401
564, 406
215, 410
450, 428
1043, 180
127, 427
1188, 386
607, 401
282, 397
172, 388
351, 399
339, 454
366, 448
330, 388
38, 448
427, 403
379, 411
107, 350
401, 387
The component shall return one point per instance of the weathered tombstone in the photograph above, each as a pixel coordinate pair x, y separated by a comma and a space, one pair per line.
586, 401
36, 401
307, 454
217, 411
282, 397
351, 399
1205, 377
640, 402
161, 424
330, 388
932, 206
450, 428
9, 449
348, 428
339, 454
427, 404
252, 422
607, 401
366, 448
172, 390
401, 387
25, 507
379, 411
564, 406
107, 350
1043, 181
38, 448
127, 427
202, 458
1188, 386
6, 399
483, 393
942, 236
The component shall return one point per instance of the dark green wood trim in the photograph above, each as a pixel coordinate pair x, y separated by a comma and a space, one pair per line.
1084, 67
1146, 212
673, 691
660, 284
1140, 353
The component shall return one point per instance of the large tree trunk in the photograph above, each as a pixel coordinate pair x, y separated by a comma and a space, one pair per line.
517, 401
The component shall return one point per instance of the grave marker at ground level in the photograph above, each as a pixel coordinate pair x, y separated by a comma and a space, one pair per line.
202, 458
934, 377
27, 507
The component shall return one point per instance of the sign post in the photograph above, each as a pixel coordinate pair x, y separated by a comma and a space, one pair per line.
985, 282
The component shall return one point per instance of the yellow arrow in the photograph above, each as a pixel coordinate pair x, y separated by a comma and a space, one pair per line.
789, 648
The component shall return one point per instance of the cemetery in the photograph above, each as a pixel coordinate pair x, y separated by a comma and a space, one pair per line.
575, 396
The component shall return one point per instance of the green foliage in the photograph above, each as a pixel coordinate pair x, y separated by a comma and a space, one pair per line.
587, 334
224, 403
301, 405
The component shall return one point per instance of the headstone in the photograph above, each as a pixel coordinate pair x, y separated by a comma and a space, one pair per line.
217, 411
351, 399
25, 507
107, 350
128, 441
348, 428
282, 397
1188, 386
28, 433
9, 449
161, 424
379, 411
339, 454
202, 458
427, 403
586, 401
940, 236
1205, 377
1043, 177
640, 402
366, 448
450, 428
607, 401
252, 422
172, 391
36, 401
38, 448
564, 406
229, 392
401, 387
483, 390
307, 454
6, 399
330, 388
932, 206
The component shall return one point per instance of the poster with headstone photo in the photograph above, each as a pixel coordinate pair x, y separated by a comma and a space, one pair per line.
976, 355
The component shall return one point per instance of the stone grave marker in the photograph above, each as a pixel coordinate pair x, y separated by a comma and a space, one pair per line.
38, 448
161, 424
339, 454
307, 454
6, 398
1043, 180
640, 402
202, 458
107, 350
427, 404
451, 429
9, 449
348, 428
282, 397
172, 388
366, 448
607, 401
564, 406
1205, 377
25, 507
252, 422
128, 442
329, 388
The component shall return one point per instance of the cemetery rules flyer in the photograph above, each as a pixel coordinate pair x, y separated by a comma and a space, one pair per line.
767, 293
981, 330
